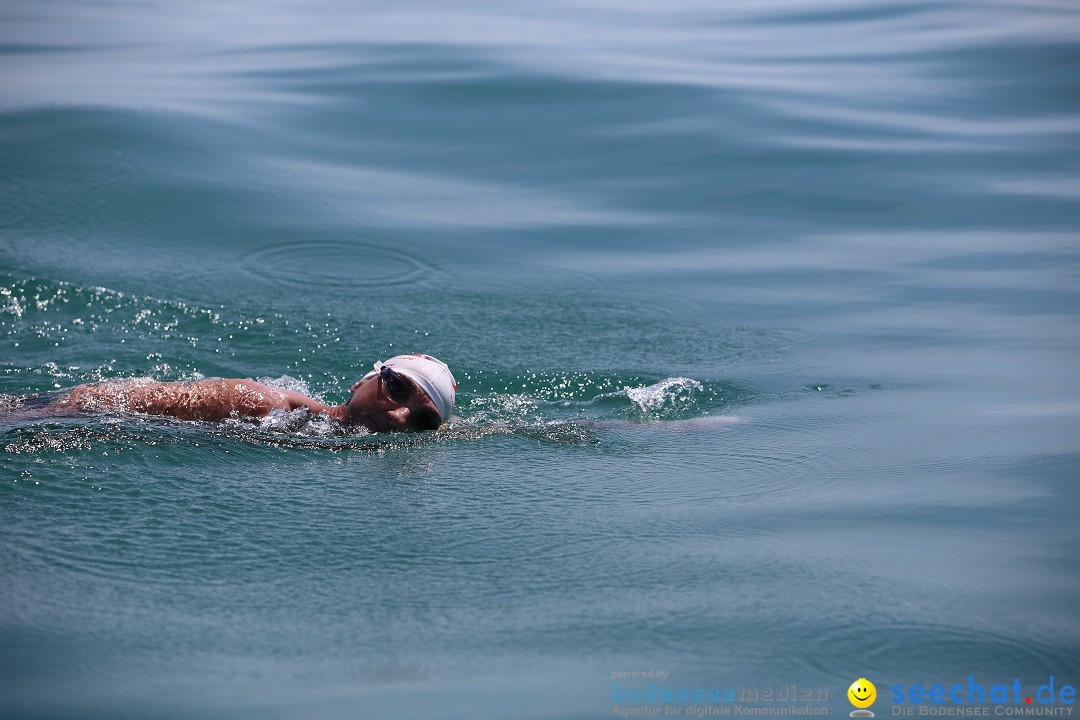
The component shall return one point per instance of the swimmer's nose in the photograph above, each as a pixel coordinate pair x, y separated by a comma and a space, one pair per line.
399, 417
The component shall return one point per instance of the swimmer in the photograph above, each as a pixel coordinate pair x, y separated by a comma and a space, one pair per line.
410, 393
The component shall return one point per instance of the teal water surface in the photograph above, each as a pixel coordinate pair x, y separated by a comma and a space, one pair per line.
764, 319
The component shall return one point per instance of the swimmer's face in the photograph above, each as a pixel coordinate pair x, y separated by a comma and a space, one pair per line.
382, 405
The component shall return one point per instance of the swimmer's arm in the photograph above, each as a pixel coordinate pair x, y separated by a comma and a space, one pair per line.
206, 400
219, 399
283, 399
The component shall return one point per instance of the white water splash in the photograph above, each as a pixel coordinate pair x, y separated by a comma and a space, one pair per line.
502, 408
664, 394
300, 422
288, 382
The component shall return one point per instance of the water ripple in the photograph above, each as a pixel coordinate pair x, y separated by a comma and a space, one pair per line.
339, 264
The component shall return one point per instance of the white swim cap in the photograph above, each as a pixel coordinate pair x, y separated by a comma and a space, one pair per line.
433, 377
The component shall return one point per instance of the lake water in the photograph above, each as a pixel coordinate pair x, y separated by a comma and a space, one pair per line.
764, 318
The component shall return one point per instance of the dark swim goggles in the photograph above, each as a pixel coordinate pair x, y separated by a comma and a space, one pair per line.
396, 387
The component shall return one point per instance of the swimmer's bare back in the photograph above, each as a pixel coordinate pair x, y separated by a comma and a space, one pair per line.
206, 400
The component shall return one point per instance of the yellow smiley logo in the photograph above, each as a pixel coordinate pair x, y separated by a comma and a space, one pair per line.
862, 693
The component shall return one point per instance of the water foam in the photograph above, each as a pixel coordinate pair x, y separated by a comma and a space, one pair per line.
668, 395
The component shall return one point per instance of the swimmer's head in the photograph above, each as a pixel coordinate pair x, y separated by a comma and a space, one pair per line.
406, 392
433, 376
